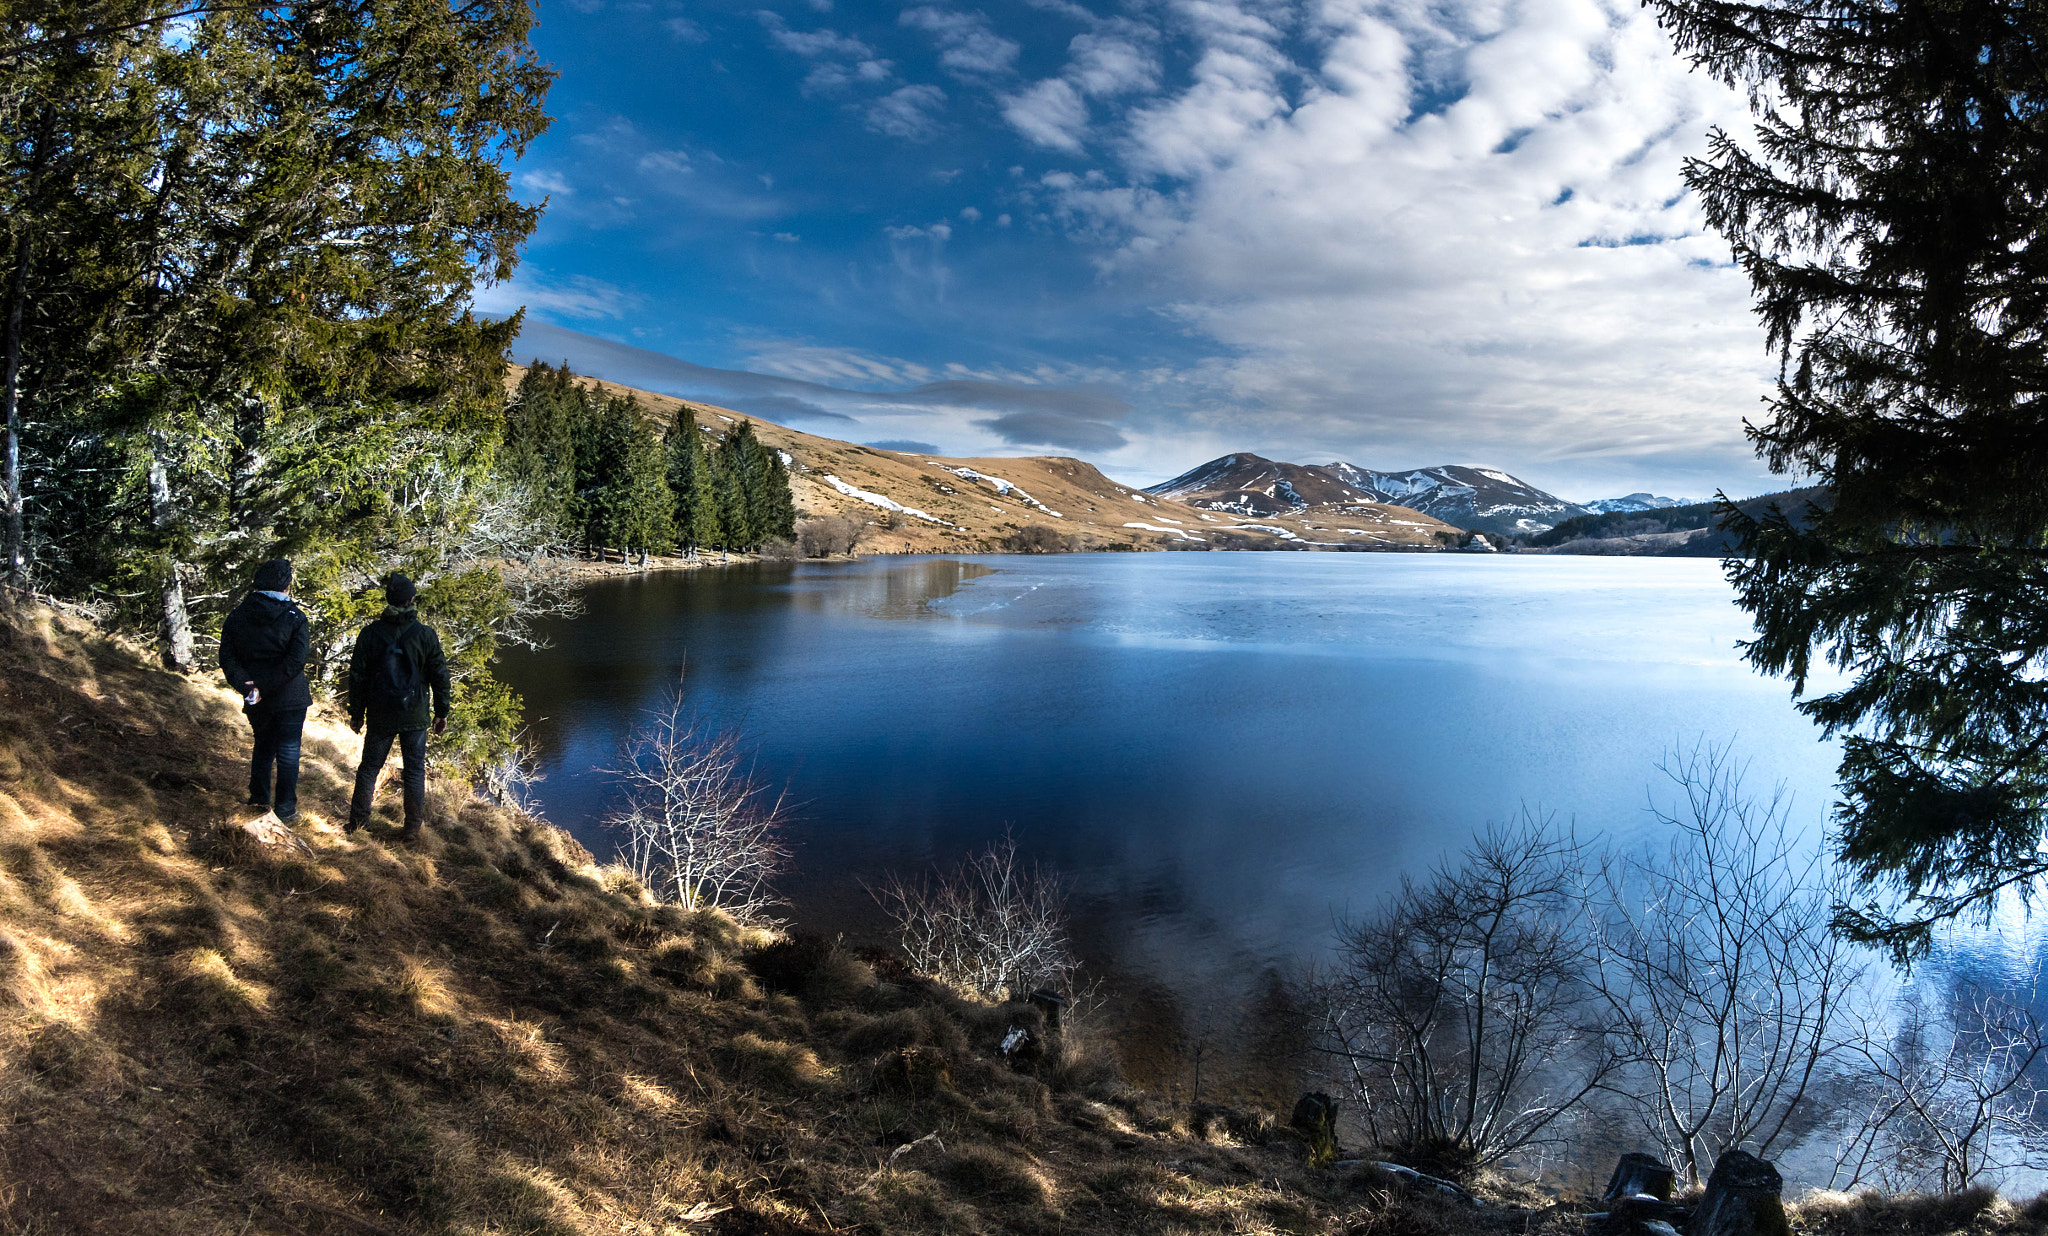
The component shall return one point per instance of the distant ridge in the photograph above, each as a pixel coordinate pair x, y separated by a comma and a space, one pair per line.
1690, 531
1638, 502
917, 502
1477, 498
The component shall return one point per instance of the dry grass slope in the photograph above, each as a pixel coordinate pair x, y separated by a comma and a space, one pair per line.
490, 1033
1094, 511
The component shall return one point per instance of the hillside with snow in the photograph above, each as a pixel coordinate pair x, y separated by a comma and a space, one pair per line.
911, 502
1476, 498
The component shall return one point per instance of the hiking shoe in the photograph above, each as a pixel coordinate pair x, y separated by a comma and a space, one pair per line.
253, 801
410, 834
287, 813
352, 825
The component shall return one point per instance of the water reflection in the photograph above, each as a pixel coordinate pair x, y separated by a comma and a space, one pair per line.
1221, 750
905, 590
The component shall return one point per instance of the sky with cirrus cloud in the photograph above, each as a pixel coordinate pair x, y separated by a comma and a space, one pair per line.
1395, 232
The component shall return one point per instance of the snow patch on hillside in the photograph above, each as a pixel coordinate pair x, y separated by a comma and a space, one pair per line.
887, 504
1181, 533
1003, 487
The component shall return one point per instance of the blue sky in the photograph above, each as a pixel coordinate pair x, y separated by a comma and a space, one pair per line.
1150, 233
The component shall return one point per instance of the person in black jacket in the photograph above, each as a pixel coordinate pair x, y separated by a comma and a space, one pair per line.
397, 664
263, 646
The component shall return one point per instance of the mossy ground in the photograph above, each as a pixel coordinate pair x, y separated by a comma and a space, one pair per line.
490, 1033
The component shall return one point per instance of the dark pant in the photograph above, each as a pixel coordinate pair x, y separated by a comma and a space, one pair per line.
278, 731
412, 750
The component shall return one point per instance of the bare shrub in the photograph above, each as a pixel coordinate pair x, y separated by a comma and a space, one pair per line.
694, 824
1719, 976
1949, 1094
776, 549
990, 925
1458, 1012
1034, 539
508, 779
828, 535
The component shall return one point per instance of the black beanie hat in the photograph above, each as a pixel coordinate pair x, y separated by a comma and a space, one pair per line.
400, 590
274, 575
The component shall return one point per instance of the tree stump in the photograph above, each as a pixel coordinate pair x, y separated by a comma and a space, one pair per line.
1638, 1175
1051, 1003
1315, 1118
1743, 1198
1640, 1216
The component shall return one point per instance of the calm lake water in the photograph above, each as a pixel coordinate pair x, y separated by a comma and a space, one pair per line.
1221, 751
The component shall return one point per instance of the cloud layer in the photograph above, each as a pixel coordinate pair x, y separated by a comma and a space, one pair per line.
1402, 232
1025, 416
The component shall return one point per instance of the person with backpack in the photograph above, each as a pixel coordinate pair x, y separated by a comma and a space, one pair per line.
263, 648
397, 663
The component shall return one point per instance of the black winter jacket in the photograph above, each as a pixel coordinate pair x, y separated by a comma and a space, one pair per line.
265, 641
418, 642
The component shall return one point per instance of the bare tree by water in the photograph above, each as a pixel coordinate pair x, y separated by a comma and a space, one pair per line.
1949, 1094
1718, 974
989, 925
694, 823
827, 535
1459, 1014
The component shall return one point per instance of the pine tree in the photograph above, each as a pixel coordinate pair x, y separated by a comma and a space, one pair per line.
759, 505
774, 507
689, 480
706, 528
642, 508
538, 453
729, 499
294, 212
1888, 217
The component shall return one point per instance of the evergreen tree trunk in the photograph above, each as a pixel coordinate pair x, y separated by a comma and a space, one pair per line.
177, 620
17, 294
178, 654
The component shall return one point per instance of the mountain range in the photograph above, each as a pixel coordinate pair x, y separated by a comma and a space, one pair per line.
1477, 498
919, 502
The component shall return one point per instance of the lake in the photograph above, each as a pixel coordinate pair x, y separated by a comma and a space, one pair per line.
1220, 751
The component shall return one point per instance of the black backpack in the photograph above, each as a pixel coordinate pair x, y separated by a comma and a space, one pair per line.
395, 679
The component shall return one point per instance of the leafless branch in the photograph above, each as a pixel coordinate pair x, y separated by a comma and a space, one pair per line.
694, 823
989, 926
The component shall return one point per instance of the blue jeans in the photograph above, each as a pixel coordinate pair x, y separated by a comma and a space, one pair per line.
412, 750
278, 732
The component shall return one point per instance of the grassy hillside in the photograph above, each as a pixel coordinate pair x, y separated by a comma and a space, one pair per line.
491, 1033
1073, 499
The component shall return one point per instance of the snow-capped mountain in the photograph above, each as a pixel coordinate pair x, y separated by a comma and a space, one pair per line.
1638, 502
1483, 499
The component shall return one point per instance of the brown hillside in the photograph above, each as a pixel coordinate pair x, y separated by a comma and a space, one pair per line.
201, 1035
1068, 495
490, 1033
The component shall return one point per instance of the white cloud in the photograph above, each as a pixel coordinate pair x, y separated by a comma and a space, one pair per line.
672, 162
1379, 244
971, 214
813, 43
1050, 113
910, 112
1109, 64
941, 232
574, 297
828, 76
544, 184
685, 30
967, 47
832, 365
1115, 60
